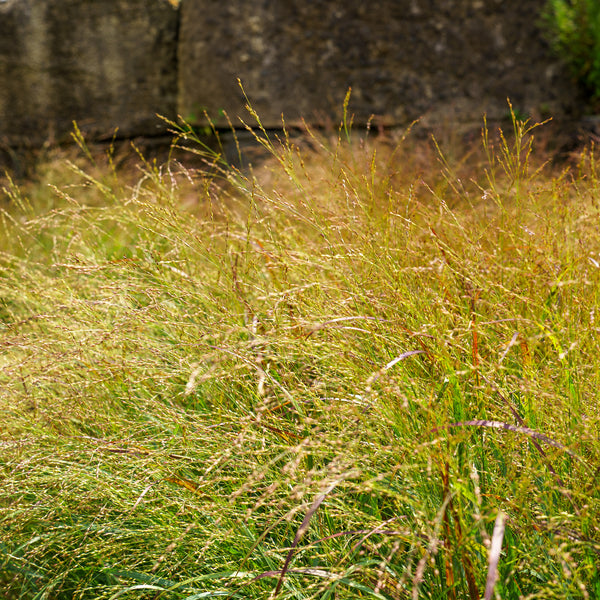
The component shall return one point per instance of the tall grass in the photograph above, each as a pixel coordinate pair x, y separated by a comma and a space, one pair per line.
354, 372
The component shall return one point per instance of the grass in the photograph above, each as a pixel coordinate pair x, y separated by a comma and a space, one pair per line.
357, 371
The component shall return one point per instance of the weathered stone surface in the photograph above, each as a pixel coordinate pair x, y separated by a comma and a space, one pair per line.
438, 59
104, 63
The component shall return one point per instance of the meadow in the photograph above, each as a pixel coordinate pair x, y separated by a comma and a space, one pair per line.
363, 368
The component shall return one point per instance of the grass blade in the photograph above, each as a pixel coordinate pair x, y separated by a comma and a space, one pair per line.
494, 556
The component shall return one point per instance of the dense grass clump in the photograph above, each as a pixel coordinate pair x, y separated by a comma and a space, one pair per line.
354, 372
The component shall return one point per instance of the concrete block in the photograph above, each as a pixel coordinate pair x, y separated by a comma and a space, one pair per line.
104, 63
403, 59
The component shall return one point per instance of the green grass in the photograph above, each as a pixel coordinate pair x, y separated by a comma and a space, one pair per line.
573, 29
325, 378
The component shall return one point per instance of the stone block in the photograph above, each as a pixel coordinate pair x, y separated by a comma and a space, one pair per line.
403, 59
103, 63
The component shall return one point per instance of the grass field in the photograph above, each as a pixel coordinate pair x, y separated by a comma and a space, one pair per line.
360, 370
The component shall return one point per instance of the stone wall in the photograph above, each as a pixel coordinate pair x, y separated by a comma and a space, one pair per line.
438, 59
103, 63
116, 63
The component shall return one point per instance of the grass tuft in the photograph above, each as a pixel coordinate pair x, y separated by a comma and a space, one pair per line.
359, 370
